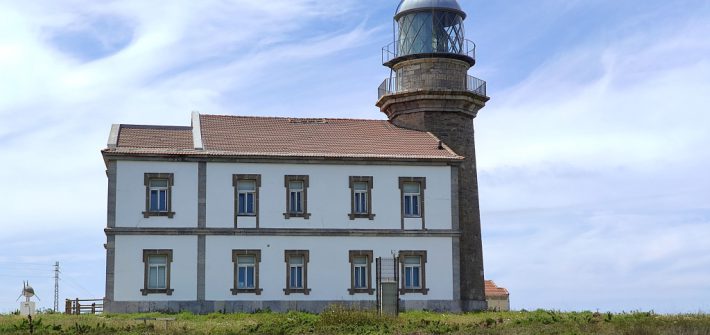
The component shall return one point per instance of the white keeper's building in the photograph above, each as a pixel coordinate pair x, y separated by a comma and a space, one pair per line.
237, 213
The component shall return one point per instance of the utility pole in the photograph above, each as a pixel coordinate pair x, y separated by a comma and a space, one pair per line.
56, 287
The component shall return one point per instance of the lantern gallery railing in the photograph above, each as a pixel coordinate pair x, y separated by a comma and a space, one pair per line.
392, 50
392, 85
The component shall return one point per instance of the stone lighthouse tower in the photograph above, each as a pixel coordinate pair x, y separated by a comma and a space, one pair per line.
429, 89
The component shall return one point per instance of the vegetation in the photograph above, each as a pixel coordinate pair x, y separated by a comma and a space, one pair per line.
343, 321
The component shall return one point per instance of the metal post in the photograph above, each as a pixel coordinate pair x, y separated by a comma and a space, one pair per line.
56, 287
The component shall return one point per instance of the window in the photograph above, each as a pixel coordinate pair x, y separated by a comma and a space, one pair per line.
246, 271
412, 193
361, 198
360, 271
296, 197
156, 278
246, 197
411, 200
412, 272
158, 187
413, 278
296, 272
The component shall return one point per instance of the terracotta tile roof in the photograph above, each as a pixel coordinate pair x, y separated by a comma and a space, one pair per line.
317, 137
249, 136
493, 290
154, 137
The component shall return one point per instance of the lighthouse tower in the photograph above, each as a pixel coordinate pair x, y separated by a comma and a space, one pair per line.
429, 89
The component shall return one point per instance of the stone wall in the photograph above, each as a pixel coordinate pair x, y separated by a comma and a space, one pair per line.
431, 73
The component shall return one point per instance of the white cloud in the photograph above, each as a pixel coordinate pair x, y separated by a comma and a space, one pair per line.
593, 177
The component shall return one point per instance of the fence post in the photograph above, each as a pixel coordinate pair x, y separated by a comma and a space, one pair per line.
93, 308
67, 307
77, 307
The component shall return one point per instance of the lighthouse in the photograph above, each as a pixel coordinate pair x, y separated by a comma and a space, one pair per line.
429, 89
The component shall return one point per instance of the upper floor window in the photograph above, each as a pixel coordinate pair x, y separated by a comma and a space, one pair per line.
296, 196
412, 197
361, 198
246, 190
413, 279
296, 271
360, 271
158, 194
246, 271
156, 277
246, 197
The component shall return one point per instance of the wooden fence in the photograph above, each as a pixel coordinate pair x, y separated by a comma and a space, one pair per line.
84, 306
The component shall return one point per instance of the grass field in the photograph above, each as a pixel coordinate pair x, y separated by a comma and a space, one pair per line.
340, 321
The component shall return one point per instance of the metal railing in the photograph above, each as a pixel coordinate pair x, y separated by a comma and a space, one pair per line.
392, 86
391, 51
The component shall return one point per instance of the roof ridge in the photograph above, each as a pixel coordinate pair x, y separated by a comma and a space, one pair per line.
149, 126
291, 117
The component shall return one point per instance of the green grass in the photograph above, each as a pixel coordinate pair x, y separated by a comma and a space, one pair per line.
342, 321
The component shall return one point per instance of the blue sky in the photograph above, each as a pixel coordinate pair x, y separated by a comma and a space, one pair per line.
592, 151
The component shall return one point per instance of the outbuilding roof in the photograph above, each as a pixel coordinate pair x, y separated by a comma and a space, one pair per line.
493, 290
278, 137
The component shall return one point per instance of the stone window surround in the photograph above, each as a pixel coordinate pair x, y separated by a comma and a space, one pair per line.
302, 178
422, 187
147, 177
257, 259
235, 179
422, 254
157, 252
369, 181
355, 253
287, 258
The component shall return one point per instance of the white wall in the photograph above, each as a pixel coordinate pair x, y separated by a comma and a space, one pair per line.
328, 269
129, 271
329, 195
130, 194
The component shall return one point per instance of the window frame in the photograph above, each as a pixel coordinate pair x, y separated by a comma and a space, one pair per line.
296, 178
422, 254
236, 178
235, 260
147, 178
352, 254
168, 253
422, 187
369, 181
287, 258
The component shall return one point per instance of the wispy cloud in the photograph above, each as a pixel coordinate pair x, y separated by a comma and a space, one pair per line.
592, 175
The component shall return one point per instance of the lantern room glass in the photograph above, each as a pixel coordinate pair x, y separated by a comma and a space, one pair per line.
433, 31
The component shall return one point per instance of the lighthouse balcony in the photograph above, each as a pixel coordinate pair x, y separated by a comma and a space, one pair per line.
395, 85
402, 50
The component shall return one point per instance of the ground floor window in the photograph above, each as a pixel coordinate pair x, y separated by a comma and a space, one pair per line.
413, 267
246, 271
156, 275
296, 271
360, 271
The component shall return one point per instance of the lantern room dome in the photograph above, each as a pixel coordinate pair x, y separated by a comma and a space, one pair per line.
419, 5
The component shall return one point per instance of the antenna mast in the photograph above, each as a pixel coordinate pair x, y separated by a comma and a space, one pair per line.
56, 287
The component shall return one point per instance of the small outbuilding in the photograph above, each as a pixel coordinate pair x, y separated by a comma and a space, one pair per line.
498, 298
